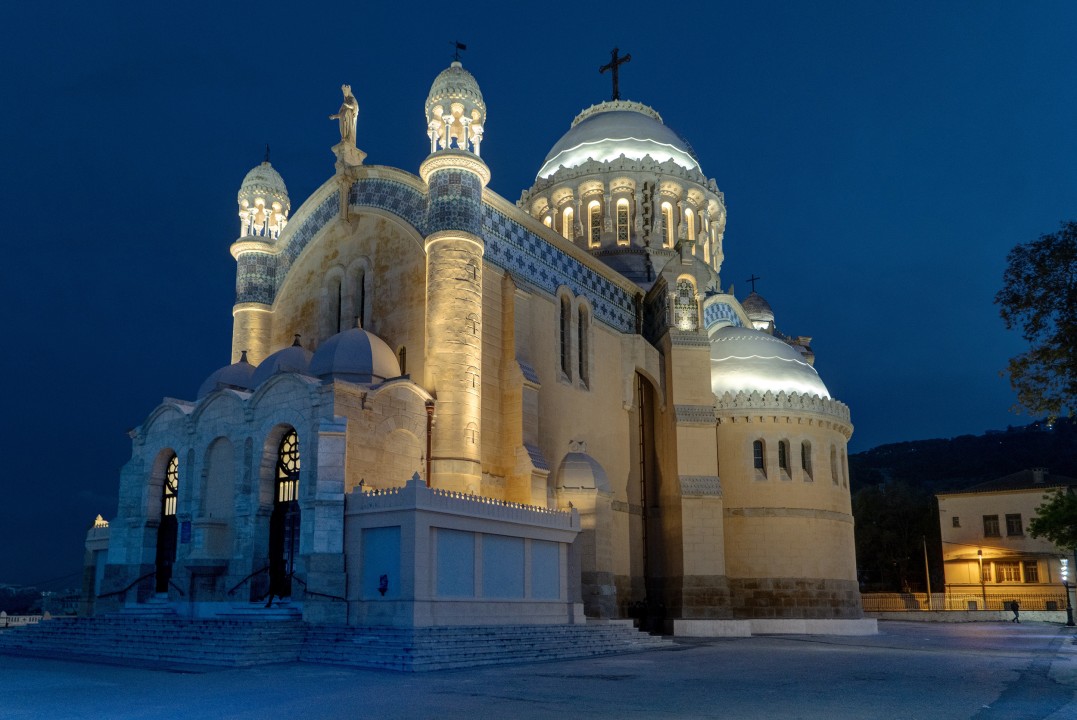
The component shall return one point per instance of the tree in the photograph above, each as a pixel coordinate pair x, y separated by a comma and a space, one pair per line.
1039, 297
1056, 520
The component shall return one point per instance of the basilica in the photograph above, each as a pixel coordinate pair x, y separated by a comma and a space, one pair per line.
444, 407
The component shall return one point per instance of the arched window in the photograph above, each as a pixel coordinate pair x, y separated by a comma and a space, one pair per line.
667, 224
566, 321
170, 494
547, 221
288, 468
685, 306
167, 529
333, 305
844, 469
758, 457
402, 356
834, 464
594, 225
360, 299
566, 223
783, 455
583, 328
805, 460
622, 221
284, 521
690, 223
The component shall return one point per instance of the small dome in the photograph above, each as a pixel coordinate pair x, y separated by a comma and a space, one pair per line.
355, 356
744, 360
758, 310
265, 183
580, 471
294, 358
606, 131
455, 84
237, 376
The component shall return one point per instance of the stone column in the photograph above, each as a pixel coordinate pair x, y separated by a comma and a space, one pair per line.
454, 250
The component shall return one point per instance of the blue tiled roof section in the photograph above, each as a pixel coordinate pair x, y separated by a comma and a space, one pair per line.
718, 311
512, 247
390, 195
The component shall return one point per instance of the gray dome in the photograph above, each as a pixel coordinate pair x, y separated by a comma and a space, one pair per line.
455, 84
266, 183
611, 129
294, 358
237, 376
757, 308
744, 360
355, 356
580, 471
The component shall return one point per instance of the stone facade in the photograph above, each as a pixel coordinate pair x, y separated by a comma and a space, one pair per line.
573, 353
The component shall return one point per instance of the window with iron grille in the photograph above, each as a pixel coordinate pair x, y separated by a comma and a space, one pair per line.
1013, 525
991, 526
1032, 571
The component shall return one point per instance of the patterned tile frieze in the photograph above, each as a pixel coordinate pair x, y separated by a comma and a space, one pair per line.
718, 311
514, 248
695, 414
705, 485
395, 197
455, 202
256, 275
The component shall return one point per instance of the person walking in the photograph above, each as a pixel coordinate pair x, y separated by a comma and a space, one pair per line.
1016, 615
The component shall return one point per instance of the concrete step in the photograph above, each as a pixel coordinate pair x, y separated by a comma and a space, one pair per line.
252, 638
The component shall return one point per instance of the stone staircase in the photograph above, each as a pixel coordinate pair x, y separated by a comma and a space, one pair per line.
242, 641
164, 641
443, 648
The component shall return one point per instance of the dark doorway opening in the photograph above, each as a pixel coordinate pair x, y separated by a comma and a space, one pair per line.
284, 522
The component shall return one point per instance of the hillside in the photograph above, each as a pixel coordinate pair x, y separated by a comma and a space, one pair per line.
963, 461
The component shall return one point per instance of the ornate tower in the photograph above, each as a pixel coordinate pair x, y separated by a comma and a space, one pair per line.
263, 213
455, 177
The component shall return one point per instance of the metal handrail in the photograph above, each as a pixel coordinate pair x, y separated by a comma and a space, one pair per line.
308, 591
178, 588
133, 583
244, 580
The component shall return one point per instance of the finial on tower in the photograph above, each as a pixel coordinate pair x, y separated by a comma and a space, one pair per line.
612, 66
455, 111
458, 48
267, 153
752, 280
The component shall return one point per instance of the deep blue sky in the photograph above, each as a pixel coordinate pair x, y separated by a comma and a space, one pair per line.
878, 161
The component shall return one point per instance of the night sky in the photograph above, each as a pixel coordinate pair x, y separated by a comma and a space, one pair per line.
878, 161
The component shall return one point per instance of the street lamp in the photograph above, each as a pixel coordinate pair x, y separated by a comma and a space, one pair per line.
983, 588
1066, 587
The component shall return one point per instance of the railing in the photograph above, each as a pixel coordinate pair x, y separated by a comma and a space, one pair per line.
913, 602
133, 583
308, 591
7, 621
242, 582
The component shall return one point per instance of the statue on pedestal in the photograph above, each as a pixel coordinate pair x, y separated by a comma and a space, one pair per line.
347, 115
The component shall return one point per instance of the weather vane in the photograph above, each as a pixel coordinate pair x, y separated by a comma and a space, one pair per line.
458, 48
612, 65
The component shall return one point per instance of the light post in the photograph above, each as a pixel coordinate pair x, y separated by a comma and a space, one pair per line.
1066, 587
983, 588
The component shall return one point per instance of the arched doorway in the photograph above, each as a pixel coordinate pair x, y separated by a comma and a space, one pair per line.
167, 529
284, 522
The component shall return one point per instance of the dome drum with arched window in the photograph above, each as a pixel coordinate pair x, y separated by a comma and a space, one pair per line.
621, 178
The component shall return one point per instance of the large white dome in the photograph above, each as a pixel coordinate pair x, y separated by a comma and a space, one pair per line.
744, 360
607, 131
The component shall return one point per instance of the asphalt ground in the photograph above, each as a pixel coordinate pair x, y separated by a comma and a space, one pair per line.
986, 671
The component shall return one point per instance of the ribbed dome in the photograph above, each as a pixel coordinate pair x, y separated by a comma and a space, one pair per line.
294, 358
607, 131
266, 183
580, 471
744, 360
238, 376
455, 84
757, 308
355, 356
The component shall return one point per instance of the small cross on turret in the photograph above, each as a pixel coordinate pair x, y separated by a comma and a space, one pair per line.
752, 280
612, 65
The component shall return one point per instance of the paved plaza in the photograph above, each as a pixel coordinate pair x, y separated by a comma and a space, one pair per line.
986, 671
